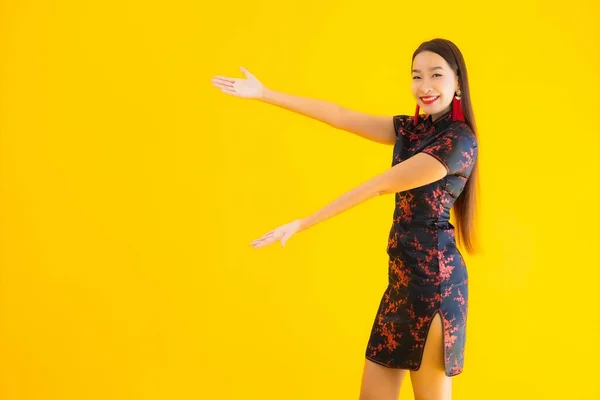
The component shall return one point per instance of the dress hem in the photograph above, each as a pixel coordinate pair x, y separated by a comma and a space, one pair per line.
406, 367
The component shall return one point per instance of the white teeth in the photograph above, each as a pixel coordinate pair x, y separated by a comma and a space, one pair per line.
429, 98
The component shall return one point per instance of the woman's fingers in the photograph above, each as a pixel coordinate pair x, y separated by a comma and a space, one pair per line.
224, 78
262, 242
261, 239
282, 233
223, 82
265, 240
266, 236
223, 87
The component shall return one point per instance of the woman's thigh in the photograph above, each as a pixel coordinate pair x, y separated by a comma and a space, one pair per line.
430, 382
379, 382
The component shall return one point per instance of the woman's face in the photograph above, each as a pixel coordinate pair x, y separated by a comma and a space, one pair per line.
433, 83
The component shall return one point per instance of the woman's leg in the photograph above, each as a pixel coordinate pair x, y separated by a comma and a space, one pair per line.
430, 382
379, 382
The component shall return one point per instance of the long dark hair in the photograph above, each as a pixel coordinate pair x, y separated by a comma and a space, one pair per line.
464, 206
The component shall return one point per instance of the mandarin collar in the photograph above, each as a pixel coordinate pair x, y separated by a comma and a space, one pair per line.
439, 124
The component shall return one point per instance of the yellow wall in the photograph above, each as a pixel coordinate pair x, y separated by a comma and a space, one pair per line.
130, 189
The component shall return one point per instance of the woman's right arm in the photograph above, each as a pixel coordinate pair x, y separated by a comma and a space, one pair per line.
377, 128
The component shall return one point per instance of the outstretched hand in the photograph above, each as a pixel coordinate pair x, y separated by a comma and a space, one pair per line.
249, 88
283, 233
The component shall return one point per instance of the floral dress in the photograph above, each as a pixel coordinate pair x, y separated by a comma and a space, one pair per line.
426, 272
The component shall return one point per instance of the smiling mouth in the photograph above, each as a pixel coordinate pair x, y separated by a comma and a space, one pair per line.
429, 99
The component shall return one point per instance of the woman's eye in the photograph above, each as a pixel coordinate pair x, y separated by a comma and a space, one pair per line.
437, 74
416, 77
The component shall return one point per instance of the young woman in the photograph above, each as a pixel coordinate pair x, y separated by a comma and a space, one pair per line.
421, 321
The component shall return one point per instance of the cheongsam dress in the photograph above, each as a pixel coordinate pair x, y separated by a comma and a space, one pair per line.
426, 272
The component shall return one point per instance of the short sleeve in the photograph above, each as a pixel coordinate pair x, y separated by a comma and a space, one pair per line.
456, 150
399, 123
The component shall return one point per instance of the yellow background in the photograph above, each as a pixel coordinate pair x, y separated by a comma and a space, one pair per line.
130, 189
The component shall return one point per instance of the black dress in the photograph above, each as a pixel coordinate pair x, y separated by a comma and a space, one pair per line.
426, 271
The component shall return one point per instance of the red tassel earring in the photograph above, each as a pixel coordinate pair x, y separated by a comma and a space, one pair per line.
416, 120
457, 113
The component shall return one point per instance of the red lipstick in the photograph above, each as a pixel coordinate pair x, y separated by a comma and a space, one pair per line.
429, 100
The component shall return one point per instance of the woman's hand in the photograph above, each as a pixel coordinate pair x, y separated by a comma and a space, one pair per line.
284, 233
250, 88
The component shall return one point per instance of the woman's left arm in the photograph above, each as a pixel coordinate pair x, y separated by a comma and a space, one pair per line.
418, 170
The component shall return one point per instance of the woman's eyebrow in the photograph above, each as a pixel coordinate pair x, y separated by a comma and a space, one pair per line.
431, 69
